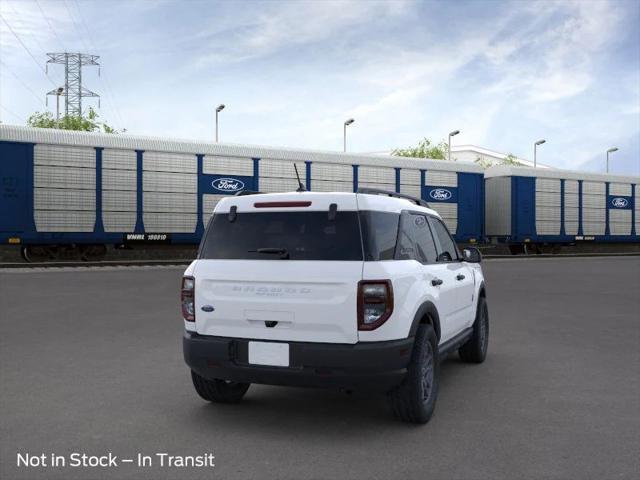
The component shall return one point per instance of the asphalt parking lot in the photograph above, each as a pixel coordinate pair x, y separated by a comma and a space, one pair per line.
91, 362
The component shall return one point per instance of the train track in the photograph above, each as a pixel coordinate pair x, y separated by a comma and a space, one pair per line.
183, 262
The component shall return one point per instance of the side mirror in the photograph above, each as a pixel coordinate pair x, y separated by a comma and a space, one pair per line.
472, 255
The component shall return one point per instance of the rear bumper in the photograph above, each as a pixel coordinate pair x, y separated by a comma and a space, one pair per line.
378, 366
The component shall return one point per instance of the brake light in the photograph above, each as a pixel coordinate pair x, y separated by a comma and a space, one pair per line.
375, 303
187, 298
281, 204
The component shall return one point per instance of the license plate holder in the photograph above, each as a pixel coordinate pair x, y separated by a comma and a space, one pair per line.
269, 353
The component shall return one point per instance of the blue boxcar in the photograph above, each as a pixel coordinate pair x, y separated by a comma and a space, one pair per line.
78, 188
549, 206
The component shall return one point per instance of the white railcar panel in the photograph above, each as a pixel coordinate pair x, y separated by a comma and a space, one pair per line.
413, 190
547, 185
409, 176
64, 221
119, 221
64, 199
169, 182
169, 202
620, 189
227, 166
377, 175
64, 177
330, 186
170, 222
119, 159
593, 228
547, 227
381, 186
269, 168
209, 203
277, 185
169, 162
119, 180
441, 179
64, 156
594, 201
596, 188
332, 172
498, 205
449, 214
571, 186
620, 222
119, 201
547, 199
571, 217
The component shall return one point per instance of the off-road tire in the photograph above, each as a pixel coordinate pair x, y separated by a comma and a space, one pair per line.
219, 391
415, 399
475, 349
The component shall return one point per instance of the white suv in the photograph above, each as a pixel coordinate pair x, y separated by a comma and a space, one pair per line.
347, 290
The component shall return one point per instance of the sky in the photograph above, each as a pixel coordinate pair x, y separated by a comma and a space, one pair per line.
290, 73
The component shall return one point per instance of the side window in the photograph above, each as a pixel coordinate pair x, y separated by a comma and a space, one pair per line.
414, 239
447, 247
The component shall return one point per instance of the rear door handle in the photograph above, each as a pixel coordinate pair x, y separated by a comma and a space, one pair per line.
460, 277
436, 281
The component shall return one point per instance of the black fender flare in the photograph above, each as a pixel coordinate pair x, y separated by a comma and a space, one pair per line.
427, 309
482, 291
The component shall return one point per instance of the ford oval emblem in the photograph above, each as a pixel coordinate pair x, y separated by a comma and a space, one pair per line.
619, 202
228, 184
440, 194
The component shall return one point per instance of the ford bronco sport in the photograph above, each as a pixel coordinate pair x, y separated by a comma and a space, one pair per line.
347, 290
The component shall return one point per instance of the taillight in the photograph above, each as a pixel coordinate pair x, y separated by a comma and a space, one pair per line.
187, 296
375, 303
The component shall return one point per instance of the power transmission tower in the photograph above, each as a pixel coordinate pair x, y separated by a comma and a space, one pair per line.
73, 91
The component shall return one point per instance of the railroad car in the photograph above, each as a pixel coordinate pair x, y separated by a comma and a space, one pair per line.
534, 210
68, 193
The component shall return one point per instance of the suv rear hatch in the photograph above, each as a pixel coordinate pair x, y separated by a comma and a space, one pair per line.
281, 267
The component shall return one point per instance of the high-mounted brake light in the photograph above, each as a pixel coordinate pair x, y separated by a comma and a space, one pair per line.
281, 204
187, 298
375, 303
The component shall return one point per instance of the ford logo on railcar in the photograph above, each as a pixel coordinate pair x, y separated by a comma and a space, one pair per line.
228, 184
619, 202
440, 194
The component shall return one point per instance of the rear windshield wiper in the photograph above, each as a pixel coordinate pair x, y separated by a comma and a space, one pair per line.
284, 254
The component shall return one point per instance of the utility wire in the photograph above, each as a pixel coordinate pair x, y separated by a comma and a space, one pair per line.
9, 111
51, 26
75, 25
23, 83
111, 98
27, 49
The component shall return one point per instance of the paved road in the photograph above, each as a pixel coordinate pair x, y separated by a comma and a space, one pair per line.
91, 362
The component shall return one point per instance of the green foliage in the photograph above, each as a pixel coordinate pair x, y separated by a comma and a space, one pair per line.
510, 159
425, 149
88, 123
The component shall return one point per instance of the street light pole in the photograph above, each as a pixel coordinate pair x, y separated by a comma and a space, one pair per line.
218, 110
344, 133
452, 134
58, 93
535, 146
611, 150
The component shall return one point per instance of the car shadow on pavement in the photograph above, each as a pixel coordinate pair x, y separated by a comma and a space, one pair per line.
289, 410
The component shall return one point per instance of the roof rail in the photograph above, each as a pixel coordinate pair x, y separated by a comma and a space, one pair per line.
242, 193
379, 191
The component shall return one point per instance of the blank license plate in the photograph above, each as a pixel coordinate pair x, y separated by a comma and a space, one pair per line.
267, 353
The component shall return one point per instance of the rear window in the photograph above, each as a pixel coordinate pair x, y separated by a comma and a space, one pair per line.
283, 235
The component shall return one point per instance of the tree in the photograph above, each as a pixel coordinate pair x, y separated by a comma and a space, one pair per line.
90, 123
510, 159
425, 149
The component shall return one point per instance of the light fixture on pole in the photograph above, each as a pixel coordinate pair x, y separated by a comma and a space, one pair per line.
611, 150
535, 146
218, 110
58, 93
452, 134
344, 133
